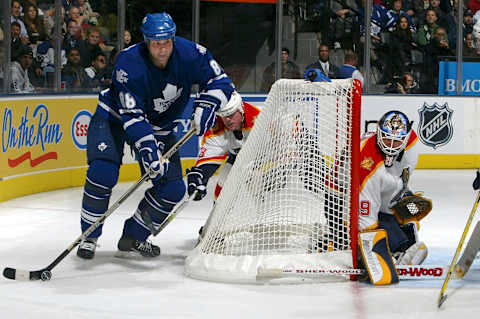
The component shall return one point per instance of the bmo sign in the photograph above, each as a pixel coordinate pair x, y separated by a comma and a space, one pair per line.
80, 123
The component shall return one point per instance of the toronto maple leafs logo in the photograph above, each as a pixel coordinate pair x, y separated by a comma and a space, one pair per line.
170, 94
122, 76
102, 146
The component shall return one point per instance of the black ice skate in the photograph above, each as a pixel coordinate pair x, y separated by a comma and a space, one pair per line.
129, 246
86, 249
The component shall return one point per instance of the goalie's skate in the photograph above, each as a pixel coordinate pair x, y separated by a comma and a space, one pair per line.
130, 247
86, 249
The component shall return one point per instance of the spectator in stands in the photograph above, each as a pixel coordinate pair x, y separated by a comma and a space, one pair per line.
26, 3
349, 68
435, 5
86, 11
396, 12
401, 44
67, 4
90, 48
17, 40
467, 21
73, 73
49, 21
2, 35
404, 84
16, 17
73, 37
98, 79
34, 25
289, 71
127, 38
425, 32
19, 71
420, 7
46, 53
437, 48
323, 63
473, 5
468, 47
74, 14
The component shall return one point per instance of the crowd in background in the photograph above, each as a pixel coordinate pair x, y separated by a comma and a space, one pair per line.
408, 37
87, 50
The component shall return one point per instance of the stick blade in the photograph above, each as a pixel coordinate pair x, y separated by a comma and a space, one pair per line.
22, 275
441, 300
9, 273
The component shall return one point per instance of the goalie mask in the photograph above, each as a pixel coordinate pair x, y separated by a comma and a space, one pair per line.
393, 131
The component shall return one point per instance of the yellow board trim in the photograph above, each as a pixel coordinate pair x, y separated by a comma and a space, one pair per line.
53, 180
448, 161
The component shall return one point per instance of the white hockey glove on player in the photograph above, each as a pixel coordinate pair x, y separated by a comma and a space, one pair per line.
151, 156
204, 108
196, 182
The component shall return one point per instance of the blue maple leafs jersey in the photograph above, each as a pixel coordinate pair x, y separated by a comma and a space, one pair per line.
147, 100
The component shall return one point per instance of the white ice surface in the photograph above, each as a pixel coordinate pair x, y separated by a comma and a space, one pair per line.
35, 229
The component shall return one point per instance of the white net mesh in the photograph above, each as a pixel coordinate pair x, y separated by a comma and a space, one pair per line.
286, 202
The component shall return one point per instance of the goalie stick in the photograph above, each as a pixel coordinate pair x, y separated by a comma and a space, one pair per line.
442, 297
405, 272
46, 273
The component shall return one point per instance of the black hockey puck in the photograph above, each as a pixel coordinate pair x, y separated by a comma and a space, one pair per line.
46, 275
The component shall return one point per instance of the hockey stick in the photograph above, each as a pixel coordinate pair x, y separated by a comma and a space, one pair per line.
405, 272
442, 297
45, 273
469, 254
178, 207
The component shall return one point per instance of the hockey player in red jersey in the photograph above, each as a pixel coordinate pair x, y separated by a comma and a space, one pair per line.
387, 157
223, 141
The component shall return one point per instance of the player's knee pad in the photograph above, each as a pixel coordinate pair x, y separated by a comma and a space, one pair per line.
397, 239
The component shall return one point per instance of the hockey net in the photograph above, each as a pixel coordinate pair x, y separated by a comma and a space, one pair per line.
290, 202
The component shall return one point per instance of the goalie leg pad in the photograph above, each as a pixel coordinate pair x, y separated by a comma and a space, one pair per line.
397, 239
415, 255
377, 257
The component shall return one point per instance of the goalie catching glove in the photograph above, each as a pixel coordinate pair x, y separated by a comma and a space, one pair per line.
411, 207
196, 182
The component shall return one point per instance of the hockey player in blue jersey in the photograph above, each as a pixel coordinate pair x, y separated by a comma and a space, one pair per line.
151, 86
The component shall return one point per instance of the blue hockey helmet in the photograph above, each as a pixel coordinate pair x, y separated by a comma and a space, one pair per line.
393, 131
316, 75
158, 26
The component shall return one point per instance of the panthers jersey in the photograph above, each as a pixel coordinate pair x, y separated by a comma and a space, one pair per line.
149, 100
218, 141
379, 184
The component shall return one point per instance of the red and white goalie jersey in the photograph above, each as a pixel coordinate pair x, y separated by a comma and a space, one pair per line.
219, 142
378, 183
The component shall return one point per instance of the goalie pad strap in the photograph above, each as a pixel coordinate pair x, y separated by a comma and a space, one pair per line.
377, 257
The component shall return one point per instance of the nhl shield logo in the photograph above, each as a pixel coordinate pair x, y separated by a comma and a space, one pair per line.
435, 127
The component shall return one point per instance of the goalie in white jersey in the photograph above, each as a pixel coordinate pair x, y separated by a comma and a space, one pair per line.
386, 160
223, 141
